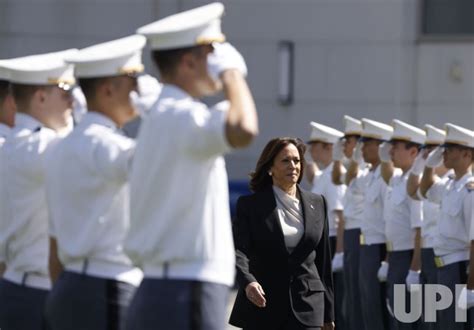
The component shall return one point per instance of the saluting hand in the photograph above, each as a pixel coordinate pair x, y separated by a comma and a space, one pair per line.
255, 294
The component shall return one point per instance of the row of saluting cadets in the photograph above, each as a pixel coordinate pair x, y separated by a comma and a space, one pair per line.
400, 201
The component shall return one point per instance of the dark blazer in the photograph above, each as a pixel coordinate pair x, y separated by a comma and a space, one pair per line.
300, 282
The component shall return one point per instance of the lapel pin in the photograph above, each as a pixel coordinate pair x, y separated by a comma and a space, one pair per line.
311, 206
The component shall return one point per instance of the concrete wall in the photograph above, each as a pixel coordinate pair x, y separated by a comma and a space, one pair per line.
356, 57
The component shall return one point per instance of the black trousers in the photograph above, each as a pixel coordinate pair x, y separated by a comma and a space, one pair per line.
80, 302
372, 291
21, 307
351, 279
340, 306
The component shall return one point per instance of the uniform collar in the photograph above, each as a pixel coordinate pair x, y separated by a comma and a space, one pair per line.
462, 182
173, 91
4, 130
22, 120
93, 117
328, 169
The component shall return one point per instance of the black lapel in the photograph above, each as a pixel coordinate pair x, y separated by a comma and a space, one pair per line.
270, 214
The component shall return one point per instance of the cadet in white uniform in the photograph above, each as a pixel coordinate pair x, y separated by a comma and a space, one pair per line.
180, 231
401, 213
321, 143
40, 86
454, 195
7, 119
90, 214
353, 212
431, 211
372, 239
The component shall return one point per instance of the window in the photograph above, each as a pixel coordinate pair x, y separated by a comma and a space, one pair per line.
447, 18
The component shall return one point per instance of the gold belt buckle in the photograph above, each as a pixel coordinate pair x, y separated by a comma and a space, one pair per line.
439, 262
362, 239
389, 246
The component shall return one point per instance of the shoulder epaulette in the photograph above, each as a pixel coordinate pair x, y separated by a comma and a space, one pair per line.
470, 186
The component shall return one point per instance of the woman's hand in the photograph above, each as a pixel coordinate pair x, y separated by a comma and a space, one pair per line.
255, 294
329, 326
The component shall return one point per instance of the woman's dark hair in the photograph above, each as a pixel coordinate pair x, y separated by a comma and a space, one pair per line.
260, 179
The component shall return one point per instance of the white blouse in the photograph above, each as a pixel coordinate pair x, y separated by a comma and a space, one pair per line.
291, 219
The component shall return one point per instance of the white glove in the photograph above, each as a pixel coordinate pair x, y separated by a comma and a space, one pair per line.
149, 90
338, 150
383, 271
413, 278
357, 154
418, 165
466, 299
225, 57
384, 152
435, 158
338, 262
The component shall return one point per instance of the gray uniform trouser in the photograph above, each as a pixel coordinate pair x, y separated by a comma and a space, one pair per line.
399, 264
178, 305
429, 275
80, 301
21, 307
450, 275
351, 279
372, 291
340, 307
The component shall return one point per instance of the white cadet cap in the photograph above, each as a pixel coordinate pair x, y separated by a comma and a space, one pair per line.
434, 135
323, 133
408, 133
42, 69
375, 130
459, 135
352, 126
4, 73
199, 26
108, 59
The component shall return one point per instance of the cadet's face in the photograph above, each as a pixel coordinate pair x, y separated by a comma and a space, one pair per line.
349, 145
286, 167
402, 156
370, 151
454, 155
321, 152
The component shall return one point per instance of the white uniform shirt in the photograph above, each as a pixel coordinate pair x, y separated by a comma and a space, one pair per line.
334, 194
4, 131
354, 201
373, 223
90, 214
430, 219
24, 214
402, 214
180, 220
456, 212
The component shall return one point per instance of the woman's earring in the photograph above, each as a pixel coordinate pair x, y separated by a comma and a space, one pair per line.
269, 173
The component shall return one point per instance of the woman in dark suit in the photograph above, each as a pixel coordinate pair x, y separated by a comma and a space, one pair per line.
282, 247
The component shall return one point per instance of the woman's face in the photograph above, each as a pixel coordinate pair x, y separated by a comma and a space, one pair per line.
286, 167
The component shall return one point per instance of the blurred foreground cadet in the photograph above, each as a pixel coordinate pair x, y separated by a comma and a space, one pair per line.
40, 86
180, 232
90, 214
